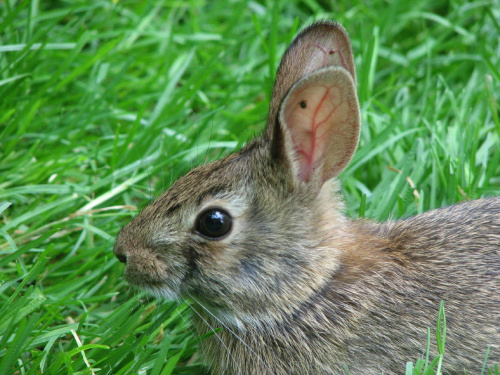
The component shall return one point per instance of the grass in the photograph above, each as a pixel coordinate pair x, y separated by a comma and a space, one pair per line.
103, 104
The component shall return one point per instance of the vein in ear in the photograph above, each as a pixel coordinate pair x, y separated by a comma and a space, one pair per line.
309, 132
329, 57
310, 113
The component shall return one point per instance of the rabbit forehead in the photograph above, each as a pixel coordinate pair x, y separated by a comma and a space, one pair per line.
220, 183
220, 178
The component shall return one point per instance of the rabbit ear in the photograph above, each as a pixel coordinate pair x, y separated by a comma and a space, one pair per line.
321, 116
315, 125
320, 45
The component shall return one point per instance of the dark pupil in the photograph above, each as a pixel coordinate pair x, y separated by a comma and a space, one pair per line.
214, 223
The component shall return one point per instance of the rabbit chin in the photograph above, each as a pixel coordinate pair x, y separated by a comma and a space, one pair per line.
229, 318
161, 292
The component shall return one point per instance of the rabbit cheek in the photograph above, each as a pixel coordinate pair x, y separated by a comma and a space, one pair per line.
205, 264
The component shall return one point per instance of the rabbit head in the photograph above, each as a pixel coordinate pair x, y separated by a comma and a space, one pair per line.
252, 235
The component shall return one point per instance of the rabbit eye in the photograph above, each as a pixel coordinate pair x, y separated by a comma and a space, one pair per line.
214, 223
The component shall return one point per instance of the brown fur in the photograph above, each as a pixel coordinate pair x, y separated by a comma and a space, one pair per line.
298, 287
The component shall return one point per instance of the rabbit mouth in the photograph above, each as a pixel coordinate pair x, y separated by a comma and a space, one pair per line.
158, 288
153, 283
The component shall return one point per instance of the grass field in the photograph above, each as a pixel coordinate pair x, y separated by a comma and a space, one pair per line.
103, 104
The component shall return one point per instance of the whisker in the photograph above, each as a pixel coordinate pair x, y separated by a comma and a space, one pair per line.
215, 333
231, 331
186, 320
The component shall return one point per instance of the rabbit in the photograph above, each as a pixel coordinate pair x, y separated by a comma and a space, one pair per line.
259, 242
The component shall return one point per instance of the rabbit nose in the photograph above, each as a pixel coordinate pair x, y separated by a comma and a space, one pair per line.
120, 253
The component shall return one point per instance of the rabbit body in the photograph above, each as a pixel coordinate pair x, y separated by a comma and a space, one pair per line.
371, 314
297, 287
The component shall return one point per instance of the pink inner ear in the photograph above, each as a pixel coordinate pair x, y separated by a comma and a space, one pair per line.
320, 119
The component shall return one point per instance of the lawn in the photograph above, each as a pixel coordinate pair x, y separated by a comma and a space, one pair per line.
103, 104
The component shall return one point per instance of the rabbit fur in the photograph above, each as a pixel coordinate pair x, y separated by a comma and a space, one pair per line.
297, 287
